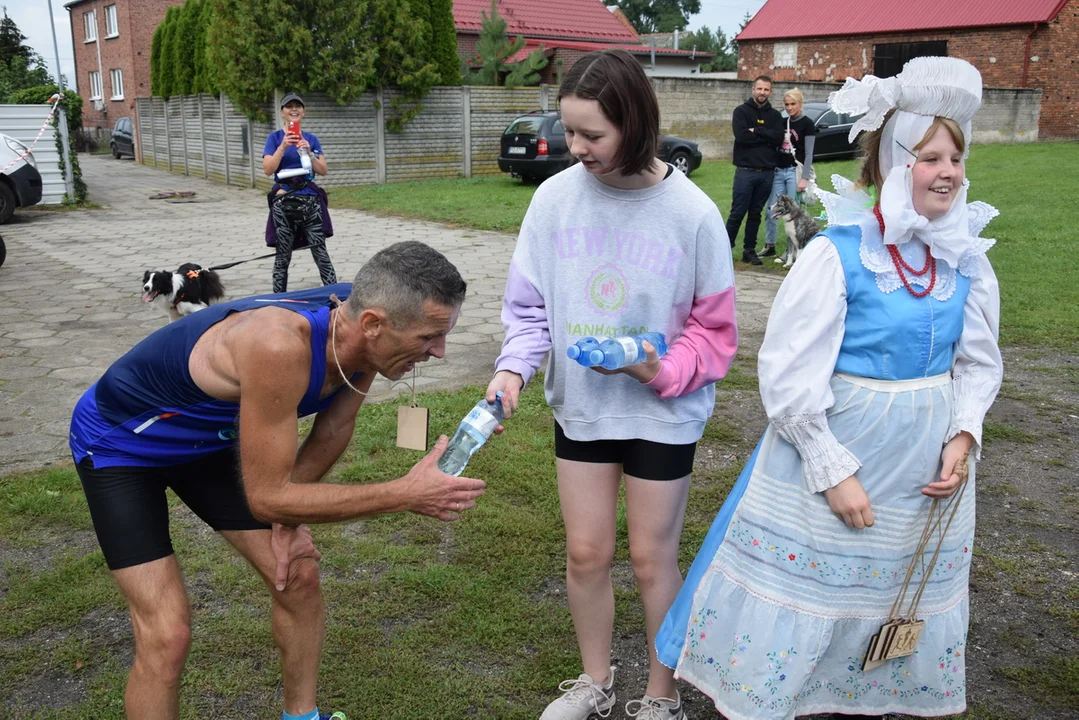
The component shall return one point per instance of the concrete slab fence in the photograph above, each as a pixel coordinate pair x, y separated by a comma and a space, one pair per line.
457, 133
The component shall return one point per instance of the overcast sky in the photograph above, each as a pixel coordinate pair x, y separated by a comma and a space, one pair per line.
32, 17
726, 14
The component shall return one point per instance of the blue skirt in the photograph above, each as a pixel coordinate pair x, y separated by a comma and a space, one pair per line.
781, 602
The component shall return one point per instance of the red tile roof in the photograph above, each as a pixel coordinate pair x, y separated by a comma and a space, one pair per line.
632, 48
797, 19
567, 19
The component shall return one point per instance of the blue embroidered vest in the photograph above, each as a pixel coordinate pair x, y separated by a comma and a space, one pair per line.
893, 336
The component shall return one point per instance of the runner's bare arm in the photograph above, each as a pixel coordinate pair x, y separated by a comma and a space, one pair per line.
330, 434
273, 378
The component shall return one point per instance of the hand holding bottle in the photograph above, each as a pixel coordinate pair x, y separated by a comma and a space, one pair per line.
643, 372
509, 384
429, 491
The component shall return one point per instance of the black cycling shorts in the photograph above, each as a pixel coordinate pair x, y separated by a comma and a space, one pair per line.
639, 458
130, 510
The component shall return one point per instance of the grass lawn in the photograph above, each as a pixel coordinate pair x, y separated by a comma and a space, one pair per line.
467, 617
1031, 185
424, 619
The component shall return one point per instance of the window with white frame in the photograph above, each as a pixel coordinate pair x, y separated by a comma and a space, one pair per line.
95, 85
785, 54
89, 22
117, 79
112, 28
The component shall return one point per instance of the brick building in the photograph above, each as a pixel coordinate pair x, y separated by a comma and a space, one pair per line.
567, 29
1030, 44
112, 54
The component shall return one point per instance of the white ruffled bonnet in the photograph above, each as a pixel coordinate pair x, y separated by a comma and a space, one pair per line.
928, 87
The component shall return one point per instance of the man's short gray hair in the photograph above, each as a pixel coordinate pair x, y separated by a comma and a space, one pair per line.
401, 278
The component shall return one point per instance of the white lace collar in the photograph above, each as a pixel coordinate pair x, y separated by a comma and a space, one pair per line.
852, 206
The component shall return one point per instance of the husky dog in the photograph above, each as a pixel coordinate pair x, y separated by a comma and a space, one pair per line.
800, 227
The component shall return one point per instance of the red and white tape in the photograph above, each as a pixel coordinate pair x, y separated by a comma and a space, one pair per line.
55, 100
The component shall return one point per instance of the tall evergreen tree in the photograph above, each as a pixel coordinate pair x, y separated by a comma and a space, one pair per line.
444, 42
723, 56
403, 59
204, 80
527, 71
183, 47
20, 66
652, 16
339, 47
155, 59
168, 40
494, 48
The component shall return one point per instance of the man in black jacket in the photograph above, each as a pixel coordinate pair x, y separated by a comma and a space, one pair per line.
758, 132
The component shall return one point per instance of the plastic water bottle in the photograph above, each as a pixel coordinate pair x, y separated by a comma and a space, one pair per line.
623, 351
472, 433
581, 351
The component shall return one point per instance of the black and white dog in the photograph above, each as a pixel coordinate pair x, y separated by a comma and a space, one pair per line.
189, 288
799, 226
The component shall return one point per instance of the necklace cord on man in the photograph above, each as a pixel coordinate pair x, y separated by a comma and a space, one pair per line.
333, 345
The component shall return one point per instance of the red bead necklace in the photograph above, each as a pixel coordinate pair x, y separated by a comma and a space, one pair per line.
901, 264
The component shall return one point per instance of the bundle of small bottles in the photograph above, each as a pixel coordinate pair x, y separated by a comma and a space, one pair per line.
614, 353
480, 423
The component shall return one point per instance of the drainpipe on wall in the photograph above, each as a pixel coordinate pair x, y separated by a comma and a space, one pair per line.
100, 72
1026, 55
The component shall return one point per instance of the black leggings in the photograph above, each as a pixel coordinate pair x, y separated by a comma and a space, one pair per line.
294, 214
130, 510
640, 458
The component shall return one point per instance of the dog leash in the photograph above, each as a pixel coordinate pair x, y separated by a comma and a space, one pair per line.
226, 266
181, 296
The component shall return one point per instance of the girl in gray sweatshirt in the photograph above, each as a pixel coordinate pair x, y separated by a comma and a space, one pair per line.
619, 244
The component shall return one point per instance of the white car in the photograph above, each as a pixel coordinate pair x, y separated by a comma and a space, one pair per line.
20, 182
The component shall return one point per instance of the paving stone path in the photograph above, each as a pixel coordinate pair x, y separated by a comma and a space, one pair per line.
71, 285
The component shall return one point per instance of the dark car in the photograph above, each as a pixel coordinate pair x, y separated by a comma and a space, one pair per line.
534, 147
122, 141
832, 131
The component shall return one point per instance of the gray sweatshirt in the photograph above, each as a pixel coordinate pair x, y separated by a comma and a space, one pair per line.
594, 260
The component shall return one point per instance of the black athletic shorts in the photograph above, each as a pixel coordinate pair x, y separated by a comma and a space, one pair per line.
130, 510
640, 458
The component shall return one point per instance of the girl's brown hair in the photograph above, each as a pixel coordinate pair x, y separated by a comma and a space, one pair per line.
615, 80
869, 175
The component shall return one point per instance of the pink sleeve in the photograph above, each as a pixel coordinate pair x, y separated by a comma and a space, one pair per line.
703, 352
524, 317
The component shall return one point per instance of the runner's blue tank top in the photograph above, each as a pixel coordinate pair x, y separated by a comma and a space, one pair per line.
146, 410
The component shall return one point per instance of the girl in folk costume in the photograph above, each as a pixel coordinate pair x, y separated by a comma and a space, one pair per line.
619, 243
874, 404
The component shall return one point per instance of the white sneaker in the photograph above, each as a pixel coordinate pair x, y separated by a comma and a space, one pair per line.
650, 708
581, 698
